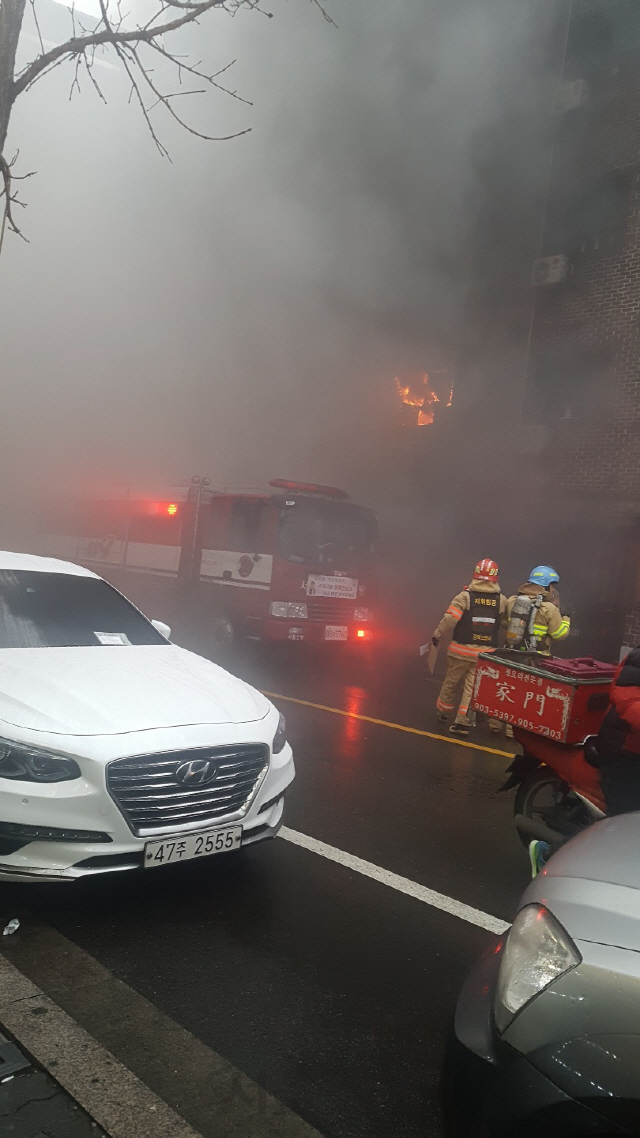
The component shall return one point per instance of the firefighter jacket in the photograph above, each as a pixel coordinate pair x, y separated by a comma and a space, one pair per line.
549, 624
619, 736
479, 621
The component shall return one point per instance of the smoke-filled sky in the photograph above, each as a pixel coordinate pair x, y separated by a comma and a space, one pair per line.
242, 311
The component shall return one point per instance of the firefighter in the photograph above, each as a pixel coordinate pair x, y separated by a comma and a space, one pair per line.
533, 619
474, 616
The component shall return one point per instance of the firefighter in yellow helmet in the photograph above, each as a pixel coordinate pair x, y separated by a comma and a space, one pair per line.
474, 616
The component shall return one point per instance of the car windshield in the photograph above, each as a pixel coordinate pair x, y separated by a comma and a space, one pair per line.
54, 610
326, 533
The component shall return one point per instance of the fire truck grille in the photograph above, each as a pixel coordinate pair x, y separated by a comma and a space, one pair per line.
330, 610
185, 790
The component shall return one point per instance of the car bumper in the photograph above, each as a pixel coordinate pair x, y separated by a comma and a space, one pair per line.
490, 1090
315, 632
127, 860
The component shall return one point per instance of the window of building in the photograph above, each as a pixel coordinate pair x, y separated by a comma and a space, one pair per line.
588, 217
609, 29
566, 382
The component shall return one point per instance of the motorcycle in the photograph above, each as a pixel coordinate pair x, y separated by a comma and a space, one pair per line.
558, 788
555, 708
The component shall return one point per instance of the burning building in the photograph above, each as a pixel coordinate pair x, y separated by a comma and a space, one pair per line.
547, 408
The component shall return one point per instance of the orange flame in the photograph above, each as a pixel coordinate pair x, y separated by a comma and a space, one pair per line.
422, 403
408, 397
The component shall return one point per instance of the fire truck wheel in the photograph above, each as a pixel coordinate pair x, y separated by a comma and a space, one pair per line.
544, 797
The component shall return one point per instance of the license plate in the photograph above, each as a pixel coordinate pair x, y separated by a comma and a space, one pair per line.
169, 850
336, 631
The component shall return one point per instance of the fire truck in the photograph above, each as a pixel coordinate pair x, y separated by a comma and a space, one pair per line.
295, 563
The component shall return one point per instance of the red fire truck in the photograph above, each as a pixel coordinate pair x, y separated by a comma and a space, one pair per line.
293, 563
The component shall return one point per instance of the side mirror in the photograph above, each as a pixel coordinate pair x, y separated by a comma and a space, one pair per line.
162, 628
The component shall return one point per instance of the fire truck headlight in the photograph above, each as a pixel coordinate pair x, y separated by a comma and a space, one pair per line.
361, 614
279, 608
280, 737
297, 611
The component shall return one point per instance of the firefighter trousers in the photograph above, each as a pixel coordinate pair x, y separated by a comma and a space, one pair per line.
459, 671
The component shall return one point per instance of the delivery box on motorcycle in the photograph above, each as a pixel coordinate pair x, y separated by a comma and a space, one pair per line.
564, 700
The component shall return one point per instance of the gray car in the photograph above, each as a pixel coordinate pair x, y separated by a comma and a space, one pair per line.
547, 1028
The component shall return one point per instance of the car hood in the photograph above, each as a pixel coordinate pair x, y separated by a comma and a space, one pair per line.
592, 884
114, 689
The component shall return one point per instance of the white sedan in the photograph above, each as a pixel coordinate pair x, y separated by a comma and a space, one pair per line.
118, 749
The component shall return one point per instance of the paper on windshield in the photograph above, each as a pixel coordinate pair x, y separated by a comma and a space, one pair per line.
319, 585
112, 637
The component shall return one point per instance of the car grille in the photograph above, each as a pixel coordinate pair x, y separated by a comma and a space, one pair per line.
330, 610
154, 800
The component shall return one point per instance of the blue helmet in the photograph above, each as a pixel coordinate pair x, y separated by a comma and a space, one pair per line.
543, 575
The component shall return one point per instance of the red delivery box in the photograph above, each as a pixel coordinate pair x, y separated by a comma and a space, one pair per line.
563, 699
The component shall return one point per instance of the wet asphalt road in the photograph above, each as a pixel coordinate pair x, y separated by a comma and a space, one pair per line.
330, 990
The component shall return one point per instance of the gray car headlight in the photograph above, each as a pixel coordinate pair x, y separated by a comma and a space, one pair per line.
30, 764
537, 951
280, 737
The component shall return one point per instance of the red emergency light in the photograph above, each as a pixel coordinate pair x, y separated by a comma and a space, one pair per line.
308, 488
160, 509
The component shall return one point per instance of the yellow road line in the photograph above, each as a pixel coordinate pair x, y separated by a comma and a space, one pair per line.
384, 723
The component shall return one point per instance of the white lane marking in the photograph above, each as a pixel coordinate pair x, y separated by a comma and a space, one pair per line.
394, 881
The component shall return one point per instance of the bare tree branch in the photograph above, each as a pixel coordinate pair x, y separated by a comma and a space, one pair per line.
130, 44
163, 99
10, 198
108, 35
193, 70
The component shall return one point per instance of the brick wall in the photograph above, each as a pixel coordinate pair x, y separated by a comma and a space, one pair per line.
598, 307
632, 628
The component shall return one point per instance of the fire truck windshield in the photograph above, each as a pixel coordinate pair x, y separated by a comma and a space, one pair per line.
322, 533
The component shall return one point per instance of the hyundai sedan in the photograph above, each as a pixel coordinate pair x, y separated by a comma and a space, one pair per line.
118, 749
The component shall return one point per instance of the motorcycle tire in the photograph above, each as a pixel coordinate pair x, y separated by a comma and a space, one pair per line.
544, 790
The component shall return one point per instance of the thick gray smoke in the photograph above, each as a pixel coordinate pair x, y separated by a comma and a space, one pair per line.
242, 312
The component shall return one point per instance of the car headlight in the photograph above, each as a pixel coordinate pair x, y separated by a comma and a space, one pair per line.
537, 951
30, 764
361, 614
296, 610
280, 737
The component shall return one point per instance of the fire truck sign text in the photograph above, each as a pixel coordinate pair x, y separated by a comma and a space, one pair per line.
319, 585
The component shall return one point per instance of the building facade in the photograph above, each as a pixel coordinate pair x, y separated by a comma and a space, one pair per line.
551, 350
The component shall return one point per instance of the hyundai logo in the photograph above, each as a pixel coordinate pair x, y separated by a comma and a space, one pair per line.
196, 772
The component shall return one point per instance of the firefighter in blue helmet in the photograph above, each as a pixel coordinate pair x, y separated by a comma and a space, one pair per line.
534, 620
